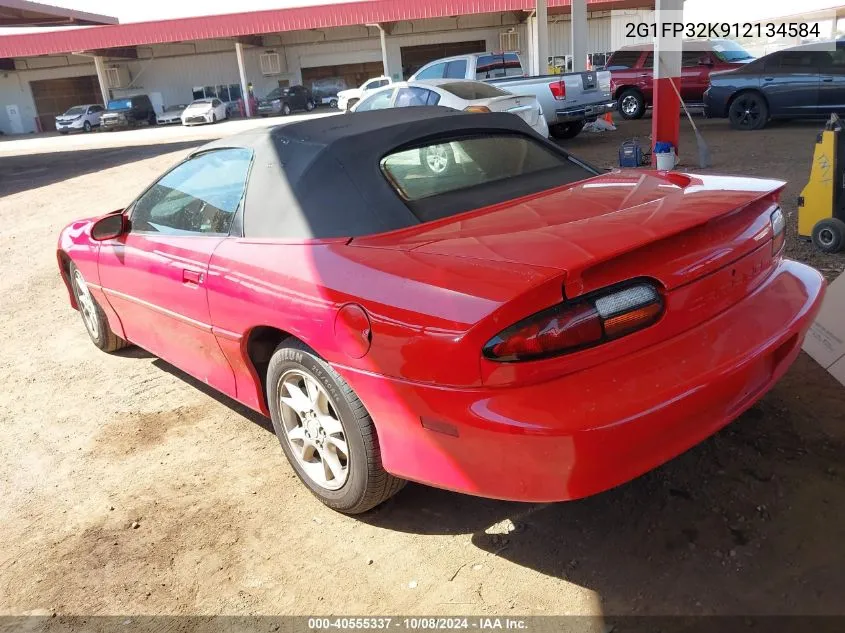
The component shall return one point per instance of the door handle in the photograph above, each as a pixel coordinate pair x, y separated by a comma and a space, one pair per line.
768, 78
192, 277
827, 79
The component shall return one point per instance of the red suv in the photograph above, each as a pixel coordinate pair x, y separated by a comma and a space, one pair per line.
632, 67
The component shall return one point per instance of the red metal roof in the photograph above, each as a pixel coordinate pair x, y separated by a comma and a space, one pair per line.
261, 22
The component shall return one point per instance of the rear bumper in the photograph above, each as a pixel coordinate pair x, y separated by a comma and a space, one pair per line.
716, 103
589, 431
580, 113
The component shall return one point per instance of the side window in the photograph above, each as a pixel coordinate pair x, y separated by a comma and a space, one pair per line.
773, 62
216, 103
382, 82
622, 60
413, 96
377, 101
513, 67
433, 72
690, 58
649, 61
198, 197
796, 62
837, 61
456, 69
486, 66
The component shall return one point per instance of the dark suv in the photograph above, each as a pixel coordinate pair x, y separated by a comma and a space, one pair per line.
128, 112
286, 100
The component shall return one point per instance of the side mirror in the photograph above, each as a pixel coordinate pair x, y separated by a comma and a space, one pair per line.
109, 227
705, 60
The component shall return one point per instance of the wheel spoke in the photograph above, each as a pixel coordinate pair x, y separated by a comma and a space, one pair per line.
339, 445
313, 392
308, 451
330, 425
332, 465
297, 434
296, 399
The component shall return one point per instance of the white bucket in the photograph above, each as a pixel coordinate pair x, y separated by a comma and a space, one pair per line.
665, 160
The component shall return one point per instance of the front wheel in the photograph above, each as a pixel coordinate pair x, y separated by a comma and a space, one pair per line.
93, 316
748, 111
631, 104
333, 103
567, 130
286, 109
829, 235
437, 159
86, 126
325, 431
309, 105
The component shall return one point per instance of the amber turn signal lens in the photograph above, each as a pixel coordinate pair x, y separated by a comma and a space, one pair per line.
477, 109
630, 321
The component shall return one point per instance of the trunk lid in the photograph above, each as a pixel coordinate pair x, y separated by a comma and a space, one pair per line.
674, 227
523, 106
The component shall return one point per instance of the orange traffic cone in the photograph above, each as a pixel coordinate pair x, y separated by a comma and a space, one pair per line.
609, 117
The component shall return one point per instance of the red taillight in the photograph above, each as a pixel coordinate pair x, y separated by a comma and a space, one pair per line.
558, 89
585, 322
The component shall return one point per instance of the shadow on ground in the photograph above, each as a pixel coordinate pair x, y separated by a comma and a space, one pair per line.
30, 171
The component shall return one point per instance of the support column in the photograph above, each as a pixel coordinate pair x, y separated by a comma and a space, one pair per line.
239, 52
102, 79
541, 50
580, 31
666, 111
385, 65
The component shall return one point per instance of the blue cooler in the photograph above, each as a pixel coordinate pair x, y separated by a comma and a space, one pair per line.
630, 154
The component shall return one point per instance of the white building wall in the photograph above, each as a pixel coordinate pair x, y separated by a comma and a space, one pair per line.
174, 69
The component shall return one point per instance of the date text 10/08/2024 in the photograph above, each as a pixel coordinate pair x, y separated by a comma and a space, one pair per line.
721, 29
481, 624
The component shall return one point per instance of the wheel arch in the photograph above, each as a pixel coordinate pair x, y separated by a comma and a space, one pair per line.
743, 91
624, 87
64, 269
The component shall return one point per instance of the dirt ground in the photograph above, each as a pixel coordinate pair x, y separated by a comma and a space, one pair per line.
126, 487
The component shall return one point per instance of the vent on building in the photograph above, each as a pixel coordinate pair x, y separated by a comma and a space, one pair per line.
117, 76
509, 40
270, 64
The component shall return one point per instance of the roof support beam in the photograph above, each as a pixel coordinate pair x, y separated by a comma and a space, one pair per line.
102, 79
250, 40
578, 24
382, 36
239, 52
126, 52
541, 41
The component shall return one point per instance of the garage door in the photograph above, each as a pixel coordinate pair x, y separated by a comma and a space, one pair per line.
55, 96
326, 81
415, 57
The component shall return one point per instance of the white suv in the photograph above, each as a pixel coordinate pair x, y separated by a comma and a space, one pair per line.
81, 117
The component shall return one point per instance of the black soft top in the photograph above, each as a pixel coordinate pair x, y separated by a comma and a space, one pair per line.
321, 177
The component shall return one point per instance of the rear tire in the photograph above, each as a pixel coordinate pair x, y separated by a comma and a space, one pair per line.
86, 126
351, 483
631, 104
93, 317
567, 130
829, 235
309, 105
748, 111
333, 103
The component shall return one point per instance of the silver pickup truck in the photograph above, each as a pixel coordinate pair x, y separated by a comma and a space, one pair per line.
568, 100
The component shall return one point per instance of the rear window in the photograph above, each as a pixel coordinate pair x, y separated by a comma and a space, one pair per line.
623, 59
436, 179
495, 65
471, 90
120, 104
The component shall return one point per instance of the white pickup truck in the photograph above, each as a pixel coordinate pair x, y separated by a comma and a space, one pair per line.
568, 100
348, 98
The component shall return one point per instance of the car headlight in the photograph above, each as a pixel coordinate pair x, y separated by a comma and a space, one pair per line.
277, 102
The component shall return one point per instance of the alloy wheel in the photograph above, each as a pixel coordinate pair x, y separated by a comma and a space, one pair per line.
313, 430
437, 158
746, 112
630, 105
86, 305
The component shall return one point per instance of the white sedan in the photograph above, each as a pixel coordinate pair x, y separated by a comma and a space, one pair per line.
79, 118
459, 94
204, 111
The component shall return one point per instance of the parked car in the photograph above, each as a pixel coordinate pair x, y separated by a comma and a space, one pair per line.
632, 69
797, 83
210, 110
325, 91
128, 112
286, 100
348, 98
521, 327
171, 114
80, 118
458, 94
569, 101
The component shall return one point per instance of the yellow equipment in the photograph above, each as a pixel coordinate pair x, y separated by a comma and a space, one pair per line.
821, 205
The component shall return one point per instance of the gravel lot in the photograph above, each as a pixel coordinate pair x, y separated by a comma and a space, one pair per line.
129, 488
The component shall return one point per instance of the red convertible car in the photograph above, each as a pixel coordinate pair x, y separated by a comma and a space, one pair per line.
517, 326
